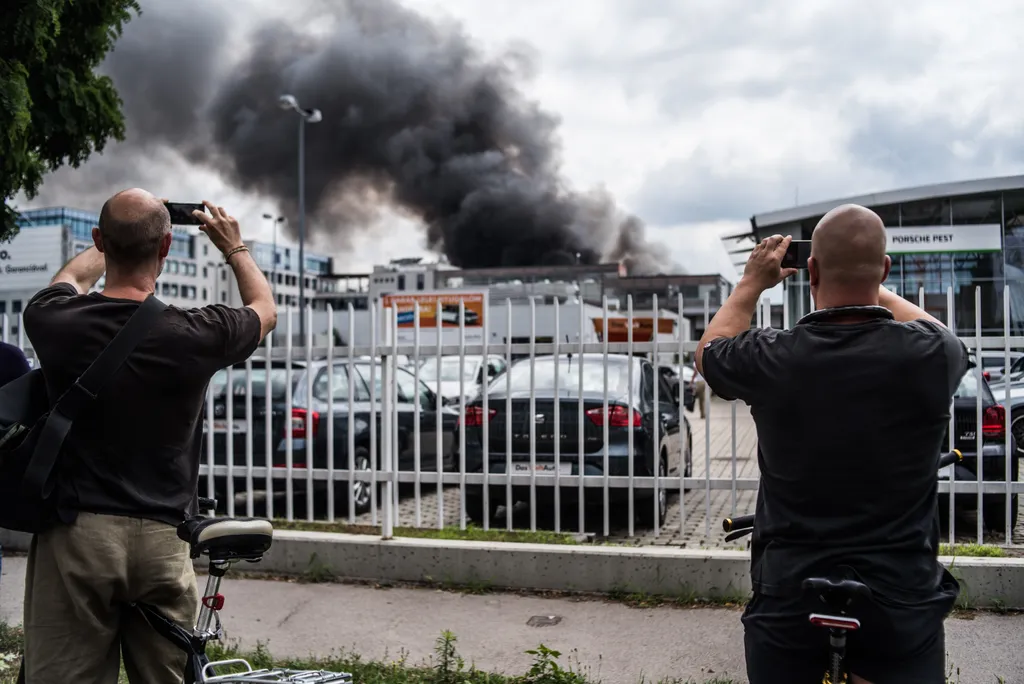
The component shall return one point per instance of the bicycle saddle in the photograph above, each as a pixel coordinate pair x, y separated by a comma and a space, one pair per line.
227, 539
836, 592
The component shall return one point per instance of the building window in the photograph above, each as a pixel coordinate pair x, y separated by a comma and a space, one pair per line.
16, 307
224, 296
204, 294
206, 273
3, 307
223, 274
420, 281
401, 282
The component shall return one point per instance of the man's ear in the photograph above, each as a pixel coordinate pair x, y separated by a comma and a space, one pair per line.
888, 268
97, 239
813, 272
165, 245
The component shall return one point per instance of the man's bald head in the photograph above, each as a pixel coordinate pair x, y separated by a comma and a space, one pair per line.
848, 249
133, 224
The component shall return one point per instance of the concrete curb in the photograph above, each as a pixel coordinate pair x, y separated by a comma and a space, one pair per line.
715, 574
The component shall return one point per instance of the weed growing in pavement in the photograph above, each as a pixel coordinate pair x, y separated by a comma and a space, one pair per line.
317, 572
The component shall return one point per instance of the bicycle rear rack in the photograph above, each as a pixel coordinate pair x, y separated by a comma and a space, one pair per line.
272, 675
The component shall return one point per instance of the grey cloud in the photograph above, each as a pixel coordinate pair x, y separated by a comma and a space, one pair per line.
414, 116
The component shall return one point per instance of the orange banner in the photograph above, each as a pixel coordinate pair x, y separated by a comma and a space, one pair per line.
643, 328
405, 306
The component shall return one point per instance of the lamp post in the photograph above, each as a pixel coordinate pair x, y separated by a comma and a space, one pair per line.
289, 102
273, 267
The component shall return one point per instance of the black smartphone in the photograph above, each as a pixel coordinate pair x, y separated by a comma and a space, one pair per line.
181, 213
797, 254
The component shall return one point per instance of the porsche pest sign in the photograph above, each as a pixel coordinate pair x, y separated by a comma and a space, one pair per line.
440, 308
945, 239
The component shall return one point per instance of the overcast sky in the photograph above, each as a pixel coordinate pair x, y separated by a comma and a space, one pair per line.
697, 115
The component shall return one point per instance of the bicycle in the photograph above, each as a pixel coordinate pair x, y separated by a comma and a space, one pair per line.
838, 594
224, 541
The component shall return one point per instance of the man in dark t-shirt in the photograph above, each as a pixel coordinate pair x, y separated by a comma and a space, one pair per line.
851, 410
129, 470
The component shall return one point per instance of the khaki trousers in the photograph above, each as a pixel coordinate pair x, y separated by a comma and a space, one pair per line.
80, 580
699, 388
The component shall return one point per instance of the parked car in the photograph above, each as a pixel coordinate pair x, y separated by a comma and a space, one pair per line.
408, 395
447, 373
240, 425
630, 408
993, 456
993, 364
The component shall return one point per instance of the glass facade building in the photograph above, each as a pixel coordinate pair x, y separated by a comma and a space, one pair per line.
965, 237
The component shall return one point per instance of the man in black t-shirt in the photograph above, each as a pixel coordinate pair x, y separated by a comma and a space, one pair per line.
851, 411
129, 470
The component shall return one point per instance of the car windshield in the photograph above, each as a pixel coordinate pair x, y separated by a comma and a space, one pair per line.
449, 369
518, 376
278, 382
968, 388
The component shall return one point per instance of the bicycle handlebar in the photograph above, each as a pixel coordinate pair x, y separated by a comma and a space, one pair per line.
744, 524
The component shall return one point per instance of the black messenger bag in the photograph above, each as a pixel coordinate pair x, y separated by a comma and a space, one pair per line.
32, 432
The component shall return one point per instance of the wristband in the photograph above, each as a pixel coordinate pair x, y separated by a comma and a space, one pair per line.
235, 251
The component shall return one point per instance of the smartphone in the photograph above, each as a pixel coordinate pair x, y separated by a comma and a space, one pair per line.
181, 213
797, 254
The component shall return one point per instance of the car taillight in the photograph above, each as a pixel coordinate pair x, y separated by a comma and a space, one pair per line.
993, 421
618, 416
987, 375
475, 416
298, 427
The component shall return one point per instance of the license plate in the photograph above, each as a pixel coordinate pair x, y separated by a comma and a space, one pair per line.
544, 468
238, 426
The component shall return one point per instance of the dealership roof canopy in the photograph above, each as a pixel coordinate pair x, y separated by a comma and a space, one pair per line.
760, 222
880, 199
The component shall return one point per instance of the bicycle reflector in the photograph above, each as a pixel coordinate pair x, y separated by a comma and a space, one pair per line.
835, 622
215, 602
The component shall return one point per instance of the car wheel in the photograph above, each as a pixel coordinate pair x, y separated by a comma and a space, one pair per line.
648, 513
688, 470
995, 512
360, 490
1017, 430
475, 506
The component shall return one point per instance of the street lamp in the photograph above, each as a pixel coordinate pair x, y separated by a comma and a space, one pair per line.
273, 267
288, 102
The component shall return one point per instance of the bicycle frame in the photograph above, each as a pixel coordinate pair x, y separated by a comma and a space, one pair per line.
208, 627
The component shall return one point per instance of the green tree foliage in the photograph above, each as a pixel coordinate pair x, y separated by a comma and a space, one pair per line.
54, 108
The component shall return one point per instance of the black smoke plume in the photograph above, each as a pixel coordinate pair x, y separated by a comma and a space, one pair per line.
414, 117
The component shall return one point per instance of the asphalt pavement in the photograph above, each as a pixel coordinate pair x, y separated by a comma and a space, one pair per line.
615, 642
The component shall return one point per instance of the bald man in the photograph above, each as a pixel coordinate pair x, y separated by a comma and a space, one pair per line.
851, 407
128, 473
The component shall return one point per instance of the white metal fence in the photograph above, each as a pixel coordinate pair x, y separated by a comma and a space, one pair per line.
258, 449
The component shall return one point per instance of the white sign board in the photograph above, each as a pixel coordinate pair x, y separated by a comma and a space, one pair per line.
985, 237
30, 260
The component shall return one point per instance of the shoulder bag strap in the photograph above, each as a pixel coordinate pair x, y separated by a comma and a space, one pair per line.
83, 391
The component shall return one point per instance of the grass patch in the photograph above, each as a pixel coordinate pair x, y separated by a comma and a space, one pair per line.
972, 550
471, 533
445, 667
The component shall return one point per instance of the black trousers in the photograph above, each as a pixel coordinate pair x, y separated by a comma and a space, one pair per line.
899, 642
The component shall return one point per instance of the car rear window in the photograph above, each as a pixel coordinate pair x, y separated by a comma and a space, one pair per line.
968, 387
278, 382
518, 376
